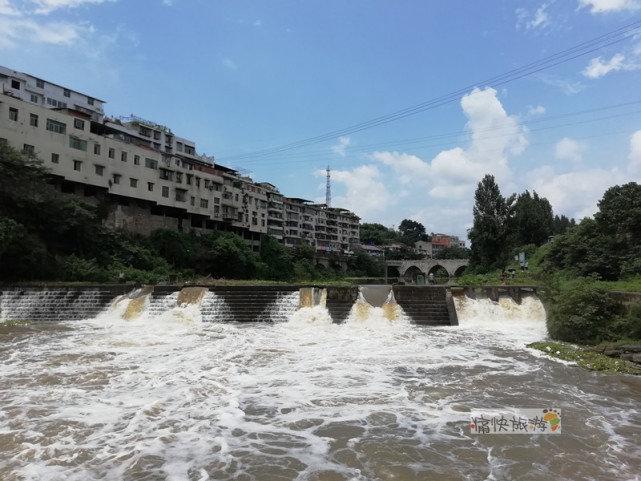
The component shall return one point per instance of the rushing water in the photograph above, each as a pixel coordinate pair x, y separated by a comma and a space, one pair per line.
166, 396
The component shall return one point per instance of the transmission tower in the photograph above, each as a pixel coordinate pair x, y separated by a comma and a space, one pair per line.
328, 188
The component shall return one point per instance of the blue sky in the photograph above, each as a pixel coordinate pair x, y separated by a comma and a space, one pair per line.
240, 76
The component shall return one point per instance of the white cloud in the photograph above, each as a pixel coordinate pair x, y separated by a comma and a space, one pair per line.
598, 67
568, 87
229, 64
535, 110
453, 173
365, 193
341, 146
539, 19
604, 6
569, 149
45, 7
257, 23
6, 8
574, 193
635, 153
16, 31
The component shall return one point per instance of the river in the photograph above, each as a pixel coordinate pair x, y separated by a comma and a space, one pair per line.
170, 397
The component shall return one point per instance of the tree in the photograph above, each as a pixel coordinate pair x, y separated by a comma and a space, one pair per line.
411, 232
453, 252
377, 234
608, 245
561, 224
533, 221
490, 234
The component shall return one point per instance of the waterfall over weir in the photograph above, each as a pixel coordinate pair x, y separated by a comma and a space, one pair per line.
277, 304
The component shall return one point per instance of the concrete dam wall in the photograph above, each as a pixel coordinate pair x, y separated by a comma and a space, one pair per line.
423, 305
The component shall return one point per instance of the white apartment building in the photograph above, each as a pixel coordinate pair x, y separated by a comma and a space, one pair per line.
46, 94
154, 179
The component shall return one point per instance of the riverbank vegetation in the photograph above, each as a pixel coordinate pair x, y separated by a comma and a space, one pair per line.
578, 264
591, 358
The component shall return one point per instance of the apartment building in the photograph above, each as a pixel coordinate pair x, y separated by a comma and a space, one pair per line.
47, 94
153, 178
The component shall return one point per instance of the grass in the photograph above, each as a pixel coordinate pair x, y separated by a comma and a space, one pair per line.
626, 285
586, 357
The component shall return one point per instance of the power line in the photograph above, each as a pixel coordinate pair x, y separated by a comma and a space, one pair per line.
421, 141
581, 49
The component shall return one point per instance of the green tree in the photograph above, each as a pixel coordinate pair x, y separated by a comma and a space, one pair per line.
608, 245
533, 220
377, 234
561, 224
277, 259
490, 235
453, 252
411, 232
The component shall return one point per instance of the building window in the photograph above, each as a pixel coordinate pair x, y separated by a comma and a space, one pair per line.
15, 84
180, 195
40, 83
66, 93
204, 203
216, 200
133, 183
116, 178
156, 135
77, 165
151, 163
57, 127
165, 191
76, 143
179, 146
52, 102
29, 150
79, 124
55, 158
190, 150
96, 149
34, 98
100, 169
192, 201
33, 120
123, 156
112, 153
136, 160
13, 114
62, 105
150, 186
90, 101
198, 182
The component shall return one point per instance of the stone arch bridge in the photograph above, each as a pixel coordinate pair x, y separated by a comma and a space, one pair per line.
408, 270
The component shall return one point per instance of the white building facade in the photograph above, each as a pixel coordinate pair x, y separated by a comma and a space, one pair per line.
152, 178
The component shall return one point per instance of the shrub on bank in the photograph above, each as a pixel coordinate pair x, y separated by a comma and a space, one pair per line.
581, 311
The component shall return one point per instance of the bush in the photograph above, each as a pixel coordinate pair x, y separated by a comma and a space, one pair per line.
76, 268
582, 312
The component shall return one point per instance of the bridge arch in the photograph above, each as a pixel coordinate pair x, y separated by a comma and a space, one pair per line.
411, 274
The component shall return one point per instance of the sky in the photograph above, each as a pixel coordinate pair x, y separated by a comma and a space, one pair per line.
239, 77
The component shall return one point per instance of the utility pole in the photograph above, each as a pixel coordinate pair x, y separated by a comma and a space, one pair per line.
328, 188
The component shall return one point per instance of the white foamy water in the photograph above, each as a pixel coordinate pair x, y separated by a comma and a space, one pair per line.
162, 398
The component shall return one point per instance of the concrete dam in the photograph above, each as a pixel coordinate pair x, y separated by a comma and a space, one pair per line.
422, 305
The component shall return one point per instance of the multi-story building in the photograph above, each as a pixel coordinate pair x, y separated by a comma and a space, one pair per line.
152, 178
443, 241
46, 94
